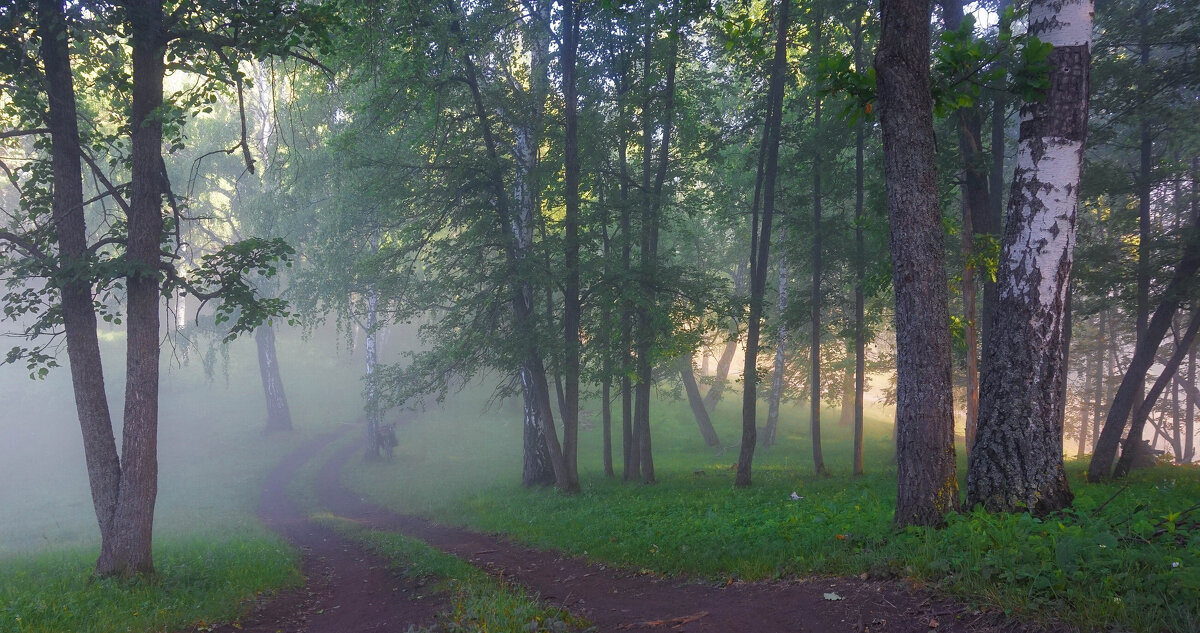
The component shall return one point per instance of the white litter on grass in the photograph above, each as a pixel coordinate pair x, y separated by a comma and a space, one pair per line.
795, 497
833, 596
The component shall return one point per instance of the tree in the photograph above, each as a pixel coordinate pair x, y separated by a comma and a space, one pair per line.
1016, 462
927, 485
760, 240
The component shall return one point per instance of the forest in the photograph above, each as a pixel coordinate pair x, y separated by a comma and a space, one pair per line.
599, 315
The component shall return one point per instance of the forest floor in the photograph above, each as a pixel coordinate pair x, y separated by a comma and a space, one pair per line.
350, 588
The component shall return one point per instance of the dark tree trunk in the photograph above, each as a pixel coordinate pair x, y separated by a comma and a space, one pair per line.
726, 360
78, 310
859, 268
571, 304
928, 486
760, 243
767, 439
1084, 414
1138, 423
687, 373
814, 404
1189, 418
994, 219
651, 214
279, 415
139, 445
538, 469
1129, 395
1100, 363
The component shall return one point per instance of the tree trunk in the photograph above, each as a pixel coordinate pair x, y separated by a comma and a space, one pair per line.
814, 354
769, 431
976, 200
859, 268
687, 373
760, 244
927, 484
78, 309
995, 220
1100, 363
1017, 460
571, 303
1129, 393
279, 415
139, 445
1084, 416
1138, 424
719, 380
651, 215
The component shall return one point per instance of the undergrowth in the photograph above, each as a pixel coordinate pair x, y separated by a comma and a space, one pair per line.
477, 601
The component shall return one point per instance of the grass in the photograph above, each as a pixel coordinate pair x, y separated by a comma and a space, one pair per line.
477, 601
1132, 566
198, 582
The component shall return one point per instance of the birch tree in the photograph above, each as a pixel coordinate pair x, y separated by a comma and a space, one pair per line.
1016, 462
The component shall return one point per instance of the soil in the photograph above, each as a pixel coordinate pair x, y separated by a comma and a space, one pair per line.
350, 591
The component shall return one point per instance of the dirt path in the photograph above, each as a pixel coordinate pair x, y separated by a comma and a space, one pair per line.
350, 591
347, 590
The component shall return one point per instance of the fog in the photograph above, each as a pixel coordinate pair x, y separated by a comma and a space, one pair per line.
212, 449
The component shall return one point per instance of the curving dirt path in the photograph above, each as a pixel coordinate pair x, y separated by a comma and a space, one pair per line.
349, 590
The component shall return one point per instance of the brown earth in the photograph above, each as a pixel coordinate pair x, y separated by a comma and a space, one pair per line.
349, 590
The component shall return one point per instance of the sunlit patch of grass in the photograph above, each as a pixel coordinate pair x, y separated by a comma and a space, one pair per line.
197, 582
1120, 567
478, 602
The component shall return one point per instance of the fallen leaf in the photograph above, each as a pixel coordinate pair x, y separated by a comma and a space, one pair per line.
832, 596
933, 623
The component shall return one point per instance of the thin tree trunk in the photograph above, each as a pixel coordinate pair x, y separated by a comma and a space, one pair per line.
651, 215
139, 445
927, 485
374, 449
1138, 424
688, 375
769, 431
846, 412
760, 244
279, 415
571, 302
995, 220
78, 309
859, 267
814, 353
1189, 421
1084, 413
1101, 365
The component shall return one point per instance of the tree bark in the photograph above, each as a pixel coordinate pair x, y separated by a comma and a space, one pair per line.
927, 484
760, 244
1129, 393
688, 375
1101, 366
1017, 460
78, 309
994, 218
279, 415
139, 438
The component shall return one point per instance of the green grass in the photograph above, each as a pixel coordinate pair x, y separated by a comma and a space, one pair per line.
477, 601
198, 582
1094, 572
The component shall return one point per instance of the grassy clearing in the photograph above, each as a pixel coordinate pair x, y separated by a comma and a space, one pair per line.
478, 602
1132, 566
